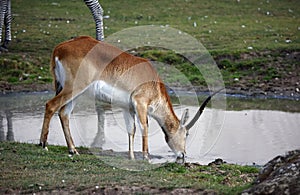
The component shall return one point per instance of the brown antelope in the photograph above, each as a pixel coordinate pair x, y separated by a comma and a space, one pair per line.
119, 78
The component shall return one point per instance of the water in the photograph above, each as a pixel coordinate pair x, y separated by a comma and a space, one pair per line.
243, 137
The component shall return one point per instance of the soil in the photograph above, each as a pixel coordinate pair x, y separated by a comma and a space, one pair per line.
116, 189
283, 90
284, 63
33, 87
277, 75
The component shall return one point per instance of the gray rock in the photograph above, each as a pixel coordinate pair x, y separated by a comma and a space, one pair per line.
281, 175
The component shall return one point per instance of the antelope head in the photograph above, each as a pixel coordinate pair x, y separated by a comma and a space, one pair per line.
177, 140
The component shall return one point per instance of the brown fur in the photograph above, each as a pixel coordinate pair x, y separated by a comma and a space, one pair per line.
86, 60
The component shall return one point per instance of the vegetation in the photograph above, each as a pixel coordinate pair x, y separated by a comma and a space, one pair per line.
251, 41
255, 43
27, 168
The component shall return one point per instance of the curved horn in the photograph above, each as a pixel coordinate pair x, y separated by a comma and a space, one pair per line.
199, 112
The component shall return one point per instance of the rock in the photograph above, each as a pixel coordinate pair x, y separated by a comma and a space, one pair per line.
217, 161
281, 175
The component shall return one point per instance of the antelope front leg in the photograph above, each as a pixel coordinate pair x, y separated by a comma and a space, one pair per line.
145, 145
142, 116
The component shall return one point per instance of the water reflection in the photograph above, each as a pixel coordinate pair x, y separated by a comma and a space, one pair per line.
10, 133
246, 136
99, 139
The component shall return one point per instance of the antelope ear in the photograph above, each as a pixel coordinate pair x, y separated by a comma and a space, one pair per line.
184, 117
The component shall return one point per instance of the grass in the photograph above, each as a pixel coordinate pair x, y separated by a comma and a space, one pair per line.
262, 104
250, 40
228, 29
27, 168
233, 24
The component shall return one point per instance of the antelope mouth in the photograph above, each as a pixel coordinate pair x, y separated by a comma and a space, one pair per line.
180, 159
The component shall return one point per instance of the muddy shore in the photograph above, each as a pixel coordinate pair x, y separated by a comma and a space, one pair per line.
267, 91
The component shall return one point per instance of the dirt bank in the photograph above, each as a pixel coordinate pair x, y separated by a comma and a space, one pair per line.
285, 91
264, 73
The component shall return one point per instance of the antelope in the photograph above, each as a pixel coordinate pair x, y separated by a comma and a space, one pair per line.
121, 79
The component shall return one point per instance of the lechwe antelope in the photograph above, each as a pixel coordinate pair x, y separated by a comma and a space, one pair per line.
119, 78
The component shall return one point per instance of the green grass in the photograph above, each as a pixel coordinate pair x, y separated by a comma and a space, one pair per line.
30, 169
226, 28
262, 104
219, 23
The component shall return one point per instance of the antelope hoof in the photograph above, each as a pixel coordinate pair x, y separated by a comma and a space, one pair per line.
131, 156
146, 157
43, 144
73, 152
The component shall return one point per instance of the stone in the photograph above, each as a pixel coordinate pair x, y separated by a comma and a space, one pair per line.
281, 175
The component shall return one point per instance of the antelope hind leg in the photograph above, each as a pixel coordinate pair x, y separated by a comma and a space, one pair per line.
64, 115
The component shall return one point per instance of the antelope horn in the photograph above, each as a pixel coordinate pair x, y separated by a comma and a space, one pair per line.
199, 112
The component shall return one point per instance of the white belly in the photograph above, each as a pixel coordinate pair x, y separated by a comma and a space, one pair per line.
111, 94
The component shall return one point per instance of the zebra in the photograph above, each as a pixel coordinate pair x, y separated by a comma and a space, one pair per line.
5, 19
97, 12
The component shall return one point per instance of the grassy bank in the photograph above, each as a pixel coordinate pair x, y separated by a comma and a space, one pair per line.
27, 168
256, 44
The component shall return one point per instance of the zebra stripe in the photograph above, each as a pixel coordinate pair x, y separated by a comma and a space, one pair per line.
5, 19
97, 12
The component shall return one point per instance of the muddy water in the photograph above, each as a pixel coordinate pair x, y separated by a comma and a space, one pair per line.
243, 137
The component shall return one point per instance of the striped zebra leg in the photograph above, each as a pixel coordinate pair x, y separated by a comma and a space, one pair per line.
3, 5
5, 20
97, 12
